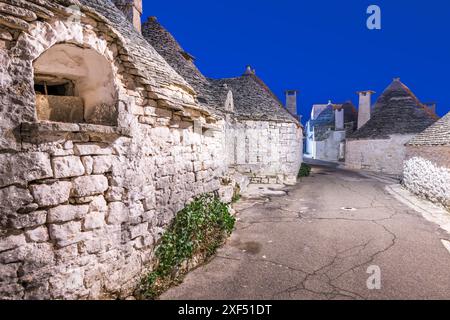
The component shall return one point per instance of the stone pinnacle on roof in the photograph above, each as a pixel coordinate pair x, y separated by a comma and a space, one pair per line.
249, 70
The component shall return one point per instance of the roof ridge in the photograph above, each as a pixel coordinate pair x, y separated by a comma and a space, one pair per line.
266, 87
436, 134
170, 44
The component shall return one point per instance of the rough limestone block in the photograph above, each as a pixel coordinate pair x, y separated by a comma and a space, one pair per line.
149, 216
13, 198
91, 247
37, 255
66, 254
66, 167
51, 195
39, 234
226, 193
94, 220
8, 272
117, 213
102, 164
91, 149
67, 213
88, 164
28, 220
290, 180
65, 234
138, 230
12, 242
89, 185
24, 167
12, 291
98, 203
149, 202
65, 283
114, 194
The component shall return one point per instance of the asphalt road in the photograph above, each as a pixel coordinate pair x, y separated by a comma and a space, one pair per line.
319, 242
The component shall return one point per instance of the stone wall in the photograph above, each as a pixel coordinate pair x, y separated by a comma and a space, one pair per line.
427, 172
83, 205
329, 148
383, 155
268, 152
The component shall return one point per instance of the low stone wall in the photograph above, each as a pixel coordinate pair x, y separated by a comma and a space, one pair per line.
427, 172
83, 205
384, 155
81, 215
267, 152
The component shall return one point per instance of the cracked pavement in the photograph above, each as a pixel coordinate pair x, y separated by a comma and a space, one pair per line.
317, 242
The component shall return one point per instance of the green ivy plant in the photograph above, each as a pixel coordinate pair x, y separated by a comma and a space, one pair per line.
304, 171
197, 230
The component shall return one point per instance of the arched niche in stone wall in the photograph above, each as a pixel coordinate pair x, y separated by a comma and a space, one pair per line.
75, 84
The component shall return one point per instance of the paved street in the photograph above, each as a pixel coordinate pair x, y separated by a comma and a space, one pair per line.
318, 241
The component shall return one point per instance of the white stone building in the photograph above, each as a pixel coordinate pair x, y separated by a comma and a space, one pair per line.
379, 144
263, 139
426, 170
327, 129
102, 142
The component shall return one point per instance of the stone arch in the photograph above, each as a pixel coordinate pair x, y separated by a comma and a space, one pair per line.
75, 84
45, 38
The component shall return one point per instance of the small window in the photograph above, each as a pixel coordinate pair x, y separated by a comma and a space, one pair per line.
75, 85
63, 88
55, 100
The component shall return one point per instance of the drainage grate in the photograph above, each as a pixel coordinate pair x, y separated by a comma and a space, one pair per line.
348, 209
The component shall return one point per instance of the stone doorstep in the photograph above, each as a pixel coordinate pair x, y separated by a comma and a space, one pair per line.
261, 190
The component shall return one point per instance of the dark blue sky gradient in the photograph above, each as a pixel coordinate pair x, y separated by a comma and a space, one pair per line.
321, 48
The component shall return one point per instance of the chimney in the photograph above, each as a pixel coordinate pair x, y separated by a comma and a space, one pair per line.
291, 101
132, 9
339, 118
431, 106
365, 105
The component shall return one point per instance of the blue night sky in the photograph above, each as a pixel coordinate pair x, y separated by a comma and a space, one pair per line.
322, 48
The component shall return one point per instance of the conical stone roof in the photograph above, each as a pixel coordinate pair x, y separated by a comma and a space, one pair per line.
253, 100
397, 111
436, 135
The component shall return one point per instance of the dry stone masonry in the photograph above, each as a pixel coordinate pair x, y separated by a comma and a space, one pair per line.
85, 197
379, 145
426, 169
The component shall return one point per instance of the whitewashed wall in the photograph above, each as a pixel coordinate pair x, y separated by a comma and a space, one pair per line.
268, 152
384, 155
427, 172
